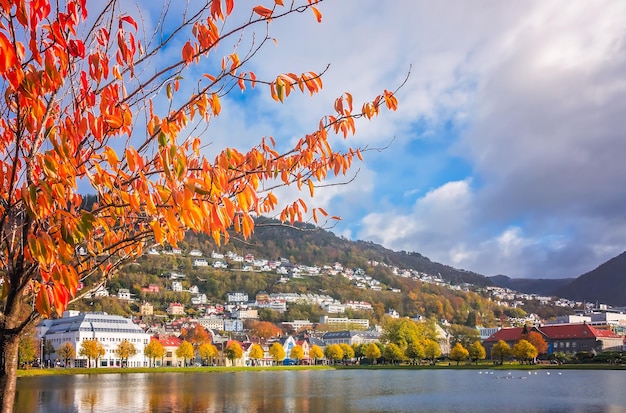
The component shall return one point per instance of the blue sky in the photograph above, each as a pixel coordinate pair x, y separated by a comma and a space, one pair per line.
507, 153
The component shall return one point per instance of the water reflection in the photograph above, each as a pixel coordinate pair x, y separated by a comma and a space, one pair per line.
319, 391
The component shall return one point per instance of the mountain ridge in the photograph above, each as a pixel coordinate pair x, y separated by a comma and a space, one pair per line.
604, 284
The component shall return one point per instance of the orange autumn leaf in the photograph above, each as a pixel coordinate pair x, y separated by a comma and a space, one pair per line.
316, 12
263, 11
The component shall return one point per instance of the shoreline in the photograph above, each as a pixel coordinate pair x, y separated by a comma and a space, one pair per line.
36, 372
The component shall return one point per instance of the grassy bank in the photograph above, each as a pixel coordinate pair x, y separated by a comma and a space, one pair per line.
482, 366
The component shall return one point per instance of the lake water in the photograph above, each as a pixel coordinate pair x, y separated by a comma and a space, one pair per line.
328, 391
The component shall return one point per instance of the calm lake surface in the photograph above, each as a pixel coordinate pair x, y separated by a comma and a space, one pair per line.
328, 391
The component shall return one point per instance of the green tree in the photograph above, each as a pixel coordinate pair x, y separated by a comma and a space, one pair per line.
154, 350
233, 351
523, 350
458, 353
501, 350
256, 353
185, 351
333, 353
415, 351
393, 353
208, 352
348, 351
477, 351
315, 353
92, 349
372, 352
432, 350
403, 331
463, 334
27, 349
66, 352
296, 353
277, 352
471, 320
124, 351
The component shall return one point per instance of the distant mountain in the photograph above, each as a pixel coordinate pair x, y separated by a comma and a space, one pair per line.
606, 284
541, 286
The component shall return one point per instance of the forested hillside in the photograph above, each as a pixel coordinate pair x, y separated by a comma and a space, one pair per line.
307, 246
313, 246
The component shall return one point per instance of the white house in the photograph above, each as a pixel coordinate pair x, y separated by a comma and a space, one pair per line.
177, 286
124, 294
110, 330
200, 262
237, 297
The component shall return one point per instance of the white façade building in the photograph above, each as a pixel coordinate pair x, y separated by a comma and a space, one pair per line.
110, 330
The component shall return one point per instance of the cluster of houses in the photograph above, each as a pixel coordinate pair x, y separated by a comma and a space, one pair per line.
569, 335
594, 331
111, 330
358, 276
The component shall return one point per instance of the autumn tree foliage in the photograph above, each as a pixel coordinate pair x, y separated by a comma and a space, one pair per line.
316, 353
233, 352
296, 353
92, 349
501, 350
101, 101
477, 351
124, 351
264, 329
207, 352
523, 350
458, 353
66, 352
333, 352
372, 352
415, 351
432, 350
536, 339
185, 351
277, 352
256, 352
154, 350
197, 335
348, 351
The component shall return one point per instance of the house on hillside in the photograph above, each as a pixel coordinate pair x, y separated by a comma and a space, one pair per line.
565, 338
175, 309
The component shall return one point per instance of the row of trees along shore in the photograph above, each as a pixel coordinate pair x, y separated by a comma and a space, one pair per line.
403, 340
104, 102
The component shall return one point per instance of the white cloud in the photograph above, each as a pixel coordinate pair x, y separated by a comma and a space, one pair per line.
532, 96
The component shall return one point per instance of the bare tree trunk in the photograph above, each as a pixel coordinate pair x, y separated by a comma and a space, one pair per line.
8, 370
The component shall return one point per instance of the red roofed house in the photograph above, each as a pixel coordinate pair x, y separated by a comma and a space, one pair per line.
565, 338
170, 344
